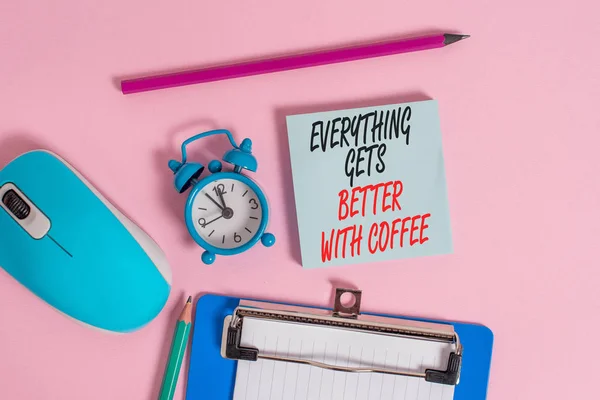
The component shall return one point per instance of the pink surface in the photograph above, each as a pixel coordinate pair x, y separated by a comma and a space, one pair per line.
518, 110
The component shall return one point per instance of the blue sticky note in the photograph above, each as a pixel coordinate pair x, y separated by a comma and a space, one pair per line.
369, 184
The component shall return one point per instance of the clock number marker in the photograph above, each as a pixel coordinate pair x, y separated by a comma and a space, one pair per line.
237, 238
223, 241
249, 231
253, 218
232, 187
245, 193
213, 231
254, 204
220, 188
202, 208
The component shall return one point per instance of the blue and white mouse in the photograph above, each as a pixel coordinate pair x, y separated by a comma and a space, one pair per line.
67, 244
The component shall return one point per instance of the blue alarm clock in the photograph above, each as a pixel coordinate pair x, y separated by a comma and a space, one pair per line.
226, 213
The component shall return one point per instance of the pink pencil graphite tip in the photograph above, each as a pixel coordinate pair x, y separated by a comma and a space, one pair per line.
450, 38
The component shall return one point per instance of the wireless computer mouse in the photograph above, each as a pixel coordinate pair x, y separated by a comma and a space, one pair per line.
67, 244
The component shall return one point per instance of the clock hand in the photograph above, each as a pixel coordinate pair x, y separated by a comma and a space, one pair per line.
220, 193
210, 222
213, 200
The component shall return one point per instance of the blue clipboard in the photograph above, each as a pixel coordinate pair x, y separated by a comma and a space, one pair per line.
210, 376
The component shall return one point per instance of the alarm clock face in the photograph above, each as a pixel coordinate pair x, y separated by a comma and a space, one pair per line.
227, 213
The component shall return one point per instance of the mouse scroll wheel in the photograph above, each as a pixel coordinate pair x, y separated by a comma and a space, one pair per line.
16, 204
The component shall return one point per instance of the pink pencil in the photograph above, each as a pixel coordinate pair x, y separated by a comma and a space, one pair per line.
288, 63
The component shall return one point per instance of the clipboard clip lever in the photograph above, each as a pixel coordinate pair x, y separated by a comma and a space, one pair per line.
233, 350
351, 311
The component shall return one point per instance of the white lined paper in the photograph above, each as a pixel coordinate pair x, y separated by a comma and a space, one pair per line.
278, 380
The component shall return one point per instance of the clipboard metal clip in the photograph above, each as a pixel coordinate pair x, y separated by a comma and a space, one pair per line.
343, 317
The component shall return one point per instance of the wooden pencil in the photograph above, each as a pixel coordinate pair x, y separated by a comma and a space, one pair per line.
178, 346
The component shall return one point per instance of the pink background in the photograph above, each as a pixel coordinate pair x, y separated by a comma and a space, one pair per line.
520, 130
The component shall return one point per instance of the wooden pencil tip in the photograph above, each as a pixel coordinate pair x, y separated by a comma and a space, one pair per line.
189, 300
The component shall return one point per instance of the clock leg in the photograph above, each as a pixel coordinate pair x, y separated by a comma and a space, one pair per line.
208, 257
268, 239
